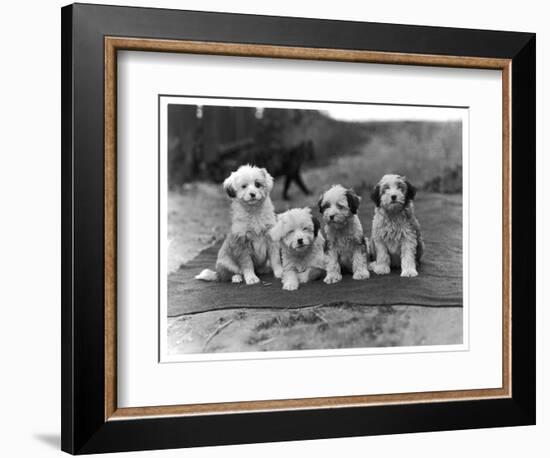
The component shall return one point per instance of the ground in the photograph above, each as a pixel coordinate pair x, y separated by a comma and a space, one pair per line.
323, 326
214, 318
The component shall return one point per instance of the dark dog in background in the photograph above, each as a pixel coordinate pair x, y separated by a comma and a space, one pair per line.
281, 162
292, 161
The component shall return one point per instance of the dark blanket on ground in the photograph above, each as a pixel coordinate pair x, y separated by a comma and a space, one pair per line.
439, 282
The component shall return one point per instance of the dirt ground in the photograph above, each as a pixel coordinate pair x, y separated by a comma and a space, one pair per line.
342, 326
323, 326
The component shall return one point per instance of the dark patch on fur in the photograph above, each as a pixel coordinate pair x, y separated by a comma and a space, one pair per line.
326, 246
411, 192
353, 200
230, 191
316, 225
322, 207
375, 195
363, 246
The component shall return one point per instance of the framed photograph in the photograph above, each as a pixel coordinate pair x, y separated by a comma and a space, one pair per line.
282, 228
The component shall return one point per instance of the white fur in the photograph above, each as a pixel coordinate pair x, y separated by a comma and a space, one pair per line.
303, 256
346, 245
396, 237
247, 249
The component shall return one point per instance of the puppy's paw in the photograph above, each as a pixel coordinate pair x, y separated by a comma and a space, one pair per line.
380, 269
291, 285
362, 274
237, 278
278, 272
332, 277
410, 272
251, 279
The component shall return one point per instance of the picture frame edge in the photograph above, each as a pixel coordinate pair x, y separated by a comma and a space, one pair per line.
95, 433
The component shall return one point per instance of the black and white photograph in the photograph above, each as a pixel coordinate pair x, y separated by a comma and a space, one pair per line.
297, 225
262, 229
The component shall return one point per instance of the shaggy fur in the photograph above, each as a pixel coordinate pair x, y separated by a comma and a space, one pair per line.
247, 249
396, 238
302, 247
346, 245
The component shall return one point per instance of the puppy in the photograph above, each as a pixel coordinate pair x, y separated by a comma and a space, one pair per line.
346, 245
247, 249
396, 239
302, 247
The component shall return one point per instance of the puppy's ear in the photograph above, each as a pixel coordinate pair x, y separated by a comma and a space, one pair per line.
228, 186
411, 191
316, 225
353, 200
268, 179
375, 195
276, 232
321, 205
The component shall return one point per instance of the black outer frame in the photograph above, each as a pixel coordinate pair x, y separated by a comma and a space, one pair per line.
84, 429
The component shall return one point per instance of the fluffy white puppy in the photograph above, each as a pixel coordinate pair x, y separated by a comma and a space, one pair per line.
248, 248
346, 245
396, 239
302, 247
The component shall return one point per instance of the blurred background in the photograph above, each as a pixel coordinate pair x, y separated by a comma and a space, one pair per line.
207, 142
305, 150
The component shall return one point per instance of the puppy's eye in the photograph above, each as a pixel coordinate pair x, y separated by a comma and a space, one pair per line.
307, 229
258, 184
339, 206
243, 186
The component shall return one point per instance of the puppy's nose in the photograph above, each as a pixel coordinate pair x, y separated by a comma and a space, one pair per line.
393, 197
300, 241
331, 217
252, 194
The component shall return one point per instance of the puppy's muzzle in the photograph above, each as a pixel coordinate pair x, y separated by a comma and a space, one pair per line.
253, 197
300, 244
334, 219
